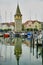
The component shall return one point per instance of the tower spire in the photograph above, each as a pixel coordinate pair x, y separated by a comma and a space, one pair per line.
18, 10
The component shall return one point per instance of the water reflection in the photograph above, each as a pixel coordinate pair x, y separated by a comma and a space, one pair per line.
18, 49
20, 52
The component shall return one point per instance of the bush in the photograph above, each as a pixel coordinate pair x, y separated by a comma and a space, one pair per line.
29, 29
35, 29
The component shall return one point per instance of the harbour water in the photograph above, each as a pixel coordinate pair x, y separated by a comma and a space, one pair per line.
18, 52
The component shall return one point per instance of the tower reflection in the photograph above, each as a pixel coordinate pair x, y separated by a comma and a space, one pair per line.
18, 49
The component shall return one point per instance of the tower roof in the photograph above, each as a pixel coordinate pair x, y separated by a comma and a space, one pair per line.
18, 10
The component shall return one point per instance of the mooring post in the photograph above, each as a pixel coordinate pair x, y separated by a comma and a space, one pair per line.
33, 44
42, 50
37, 48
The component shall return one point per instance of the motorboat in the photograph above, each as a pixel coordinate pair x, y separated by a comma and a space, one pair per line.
6, 35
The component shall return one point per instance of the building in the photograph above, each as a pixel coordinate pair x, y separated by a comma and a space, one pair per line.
7, 26
28, 24
37, 24
18, 20
42, 25
32, 24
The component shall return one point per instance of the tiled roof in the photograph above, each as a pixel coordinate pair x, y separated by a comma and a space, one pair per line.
8, 24
33, 21
28, 22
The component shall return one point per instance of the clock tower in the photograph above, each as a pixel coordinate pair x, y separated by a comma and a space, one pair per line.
18, 20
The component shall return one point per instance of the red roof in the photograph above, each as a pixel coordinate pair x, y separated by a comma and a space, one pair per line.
27, 22
10, 23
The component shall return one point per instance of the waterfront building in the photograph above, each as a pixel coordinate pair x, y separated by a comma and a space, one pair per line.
32, 24
7, 26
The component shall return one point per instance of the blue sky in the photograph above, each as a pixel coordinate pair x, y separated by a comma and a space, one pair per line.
29, 8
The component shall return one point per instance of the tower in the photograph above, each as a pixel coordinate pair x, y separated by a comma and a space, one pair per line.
18, 20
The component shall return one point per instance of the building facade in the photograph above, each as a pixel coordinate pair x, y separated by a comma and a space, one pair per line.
7, 26
32, 24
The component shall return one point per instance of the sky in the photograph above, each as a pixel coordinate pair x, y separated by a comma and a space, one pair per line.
30, 9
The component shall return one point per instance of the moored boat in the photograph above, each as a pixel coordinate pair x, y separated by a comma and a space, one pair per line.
6, 35
1, 35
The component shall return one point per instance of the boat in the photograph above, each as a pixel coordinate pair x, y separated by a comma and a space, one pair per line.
6, 35
24, 35
1, 35
17, 35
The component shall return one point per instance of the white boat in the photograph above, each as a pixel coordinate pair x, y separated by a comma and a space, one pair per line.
1, 35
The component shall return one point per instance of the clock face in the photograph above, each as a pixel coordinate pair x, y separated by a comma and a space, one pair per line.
18, 17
